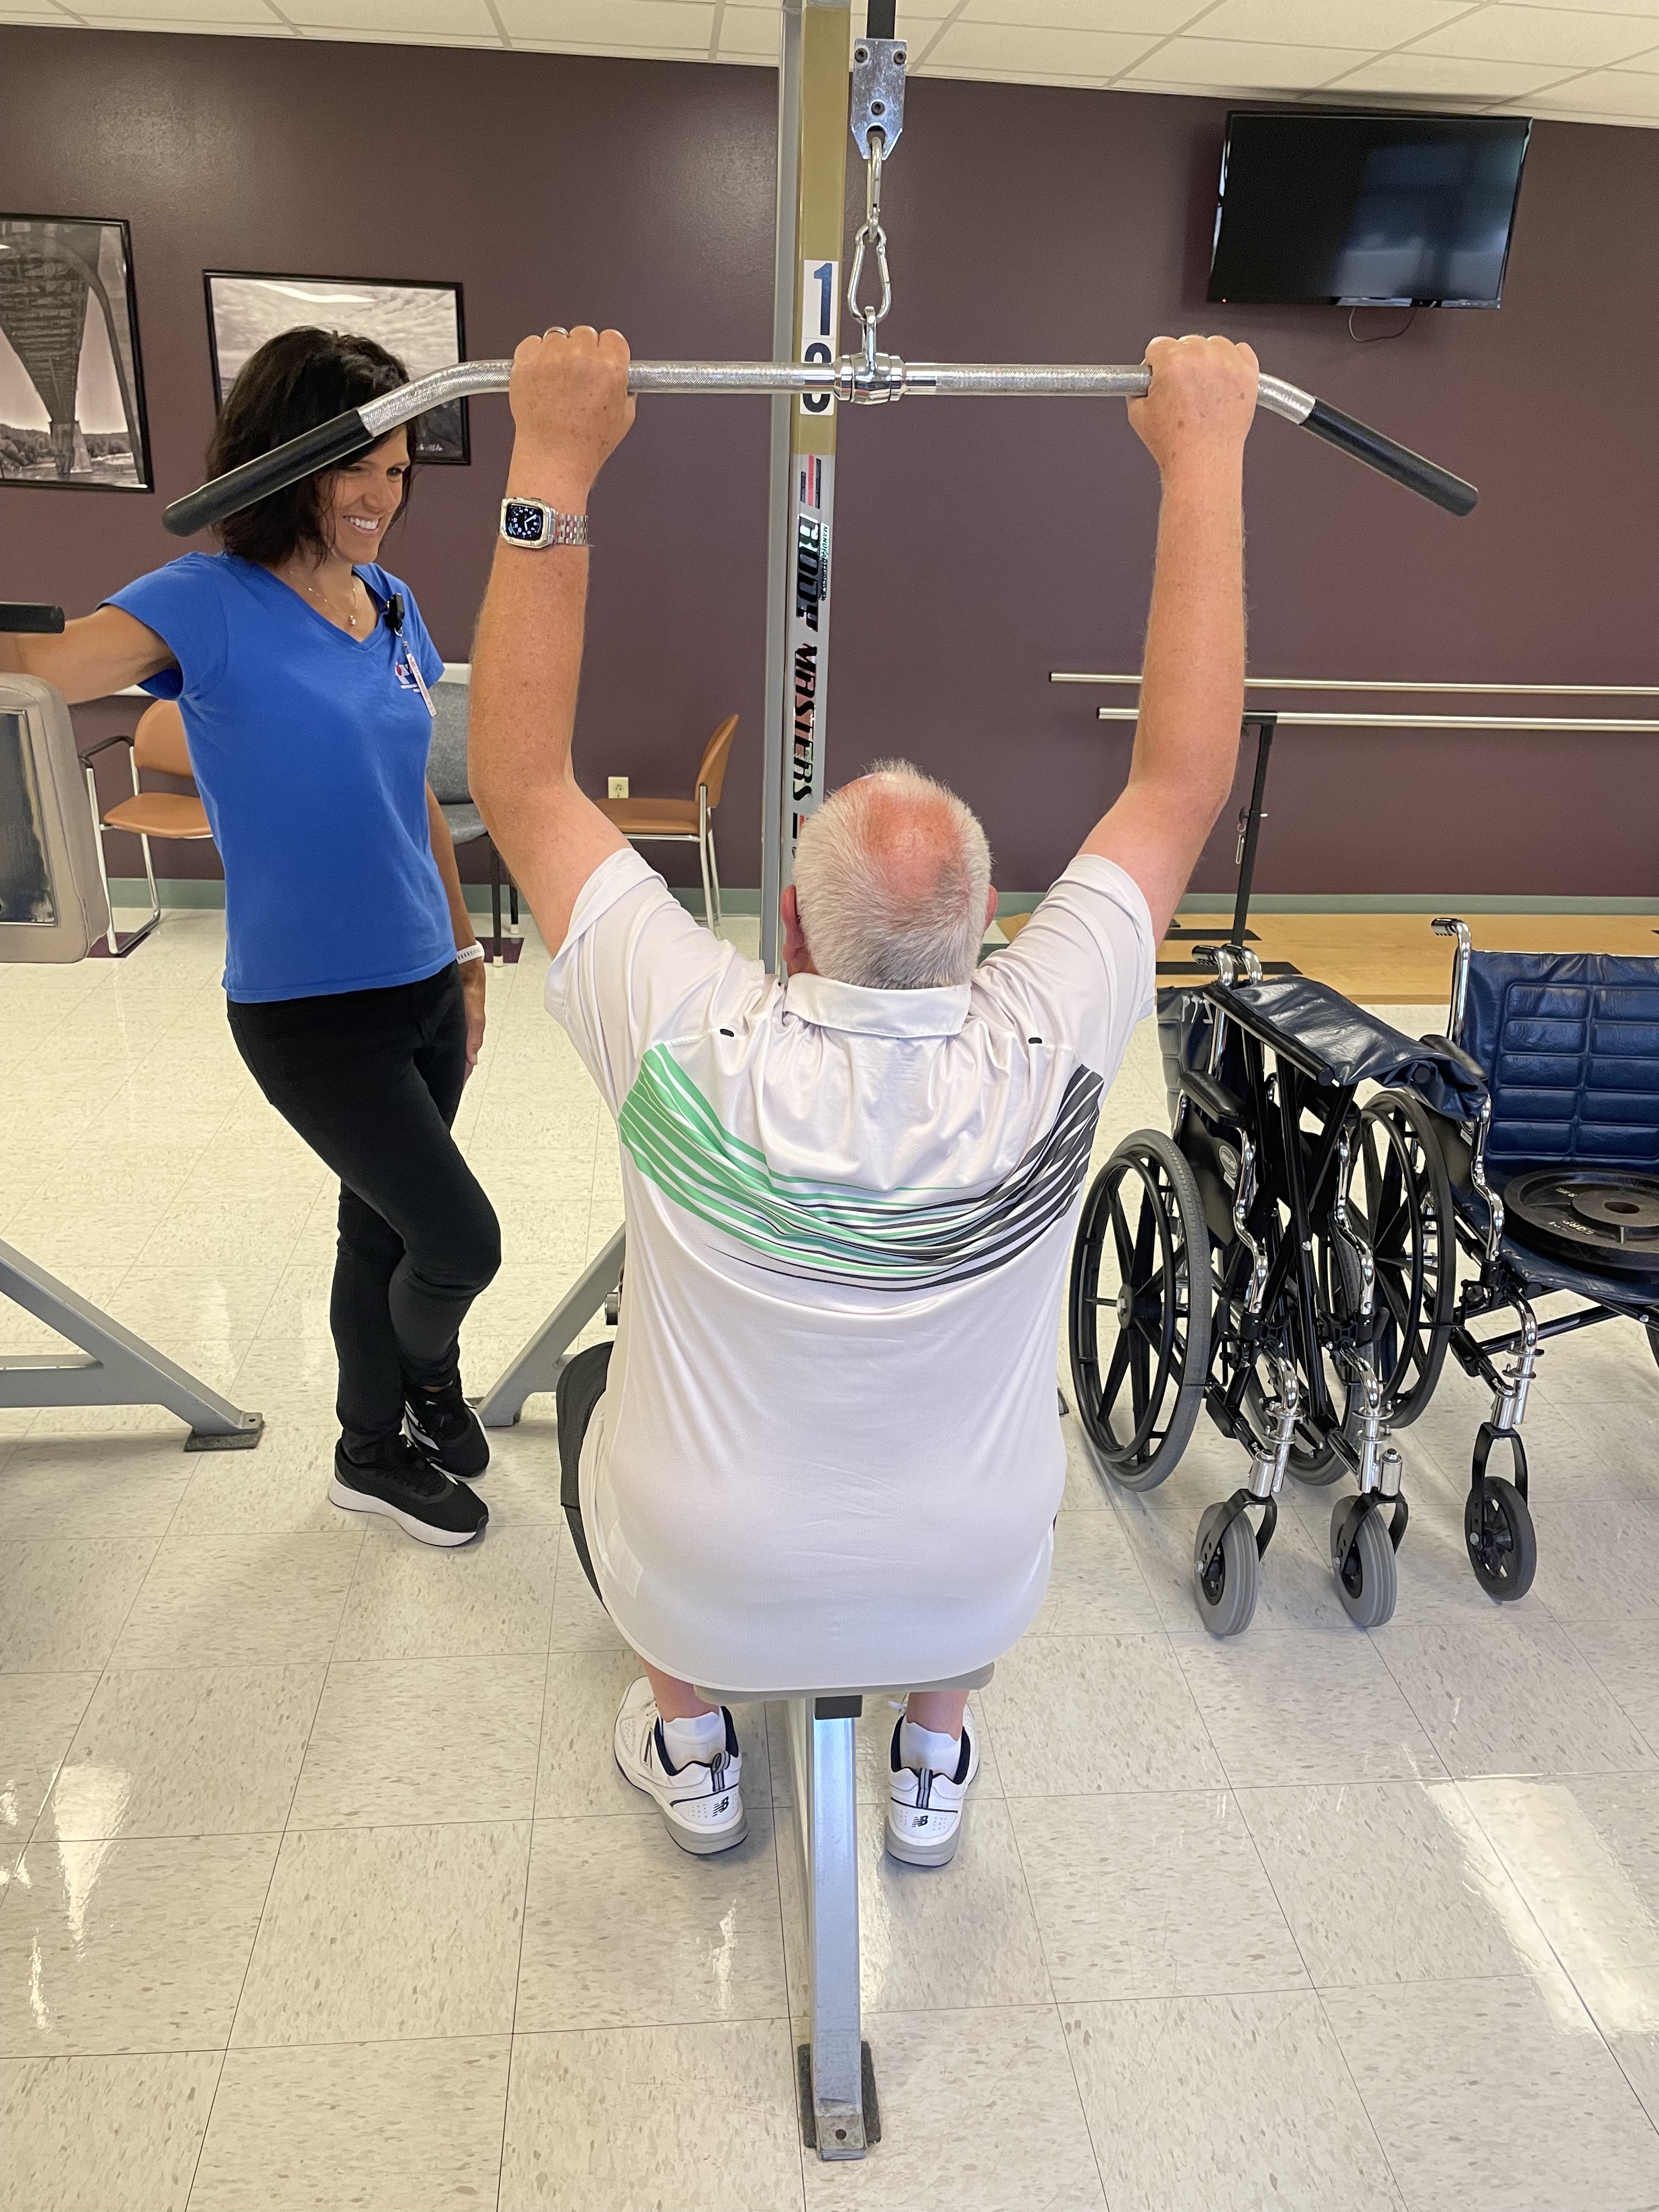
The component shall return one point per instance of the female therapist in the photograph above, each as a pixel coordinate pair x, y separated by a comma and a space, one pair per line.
355, 986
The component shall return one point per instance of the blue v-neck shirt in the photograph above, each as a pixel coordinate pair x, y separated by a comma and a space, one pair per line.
309, 748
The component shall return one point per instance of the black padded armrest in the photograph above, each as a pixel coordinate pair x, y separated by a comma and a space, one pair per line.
1455, 1053
1216, 1101
1261, 1025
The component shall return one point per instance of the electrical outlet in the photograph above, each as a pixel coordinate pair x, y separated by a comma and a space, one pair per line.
617, 787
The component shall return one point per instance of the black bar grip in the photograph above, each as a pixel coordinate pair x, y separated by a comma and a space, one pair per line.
879, 18
1390, 459
27, 618
273, 471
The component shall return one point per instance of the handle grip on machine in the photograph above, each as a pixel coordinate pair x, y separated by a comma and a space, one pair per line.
334, 440
1390, 459
29, 618
852, 380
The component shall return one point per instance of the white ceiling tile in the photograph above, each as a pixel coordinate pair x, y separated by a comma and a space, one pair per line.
995, 49
1449, 75
1158, 17
1545, 35
270, 28
603, 50
617, 25
1211, 63
184, 11
749, 33
1366, 23
1608, 92
392, 18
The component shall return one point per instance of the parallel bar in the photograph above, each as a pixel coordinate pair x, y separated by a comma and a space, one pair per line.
1428, 721
1480, 690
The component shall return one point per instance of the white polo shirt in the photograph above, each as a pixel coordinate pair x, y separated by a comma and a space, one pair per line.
829, 1451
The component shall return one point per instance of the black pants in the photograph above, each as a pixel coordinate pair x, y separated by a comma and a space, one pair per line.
371, 1079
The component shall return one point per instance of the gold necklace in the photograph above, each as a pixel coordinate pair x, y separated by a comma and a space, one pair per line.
351, 613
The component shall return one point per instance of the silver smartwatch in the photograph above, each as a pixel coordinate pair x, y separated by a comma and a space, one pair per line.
534, 524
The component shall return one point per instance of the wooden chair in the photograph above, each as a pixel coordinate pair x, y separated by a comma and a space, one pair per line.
157, 743
683, 821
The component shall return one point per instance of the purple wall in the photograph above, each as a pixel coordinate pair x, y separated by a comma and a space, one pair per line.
980, 542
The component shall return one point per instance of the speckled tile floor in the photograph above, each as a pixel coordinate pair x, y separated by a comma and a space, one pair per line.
320, 1890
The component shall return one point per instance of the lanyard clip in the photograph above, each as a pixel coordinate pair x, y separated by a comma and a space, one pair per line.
394, 623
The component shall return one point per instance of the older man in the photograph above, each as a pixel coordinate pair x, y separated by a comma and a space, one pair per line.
828, 1452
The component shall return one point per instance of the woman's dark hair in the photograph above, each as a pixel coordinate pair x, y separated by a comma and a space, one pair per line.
294, 382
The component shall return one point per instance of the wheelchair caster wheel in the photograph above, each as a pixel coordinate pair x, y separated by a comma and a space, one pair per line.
1227, 1587
1503, 1548
1367, 1577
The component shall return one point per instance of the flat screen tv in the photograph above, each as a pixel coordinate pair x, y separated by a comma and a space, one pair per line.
1319, 207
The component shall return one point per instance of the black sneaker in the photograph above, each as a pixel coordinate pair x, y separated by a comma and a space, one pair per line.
444, 1429
426, 1503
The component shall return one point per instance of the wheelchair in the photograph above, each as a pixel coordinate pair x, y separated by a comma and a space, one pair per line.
1554, 1189
1287, 1259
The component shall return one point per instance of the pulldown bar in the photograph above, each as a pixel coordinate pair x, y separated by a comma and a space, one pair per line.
852, 379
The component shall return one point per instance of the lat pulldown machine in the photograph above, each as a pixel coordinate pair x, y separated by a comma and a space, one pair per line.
818, 108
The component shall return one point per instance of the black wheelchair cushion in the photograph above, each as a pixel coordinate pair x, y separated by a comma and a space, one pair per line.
1570, 1044
1355, 1045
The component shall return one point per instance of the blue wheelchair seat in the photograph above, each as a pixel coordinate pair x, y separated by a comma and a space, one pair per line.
1569, 1041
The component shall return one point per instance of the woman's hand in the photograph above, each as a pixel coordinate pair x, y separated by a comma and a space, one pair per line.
473, 990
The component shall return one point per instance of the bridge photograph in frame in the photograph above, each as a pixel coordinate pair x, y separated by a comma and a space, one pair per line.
72, 385
421, 323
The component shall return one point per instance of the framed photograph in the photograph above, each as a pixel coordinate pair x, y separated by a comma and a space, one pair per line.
419, 323
71, 389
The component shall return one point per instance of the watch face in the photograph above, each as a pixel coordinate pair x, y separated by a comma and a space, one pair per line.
524, 521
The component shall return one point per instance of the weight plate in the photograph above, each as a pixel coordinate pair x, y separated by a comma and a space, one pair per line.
1602, 1219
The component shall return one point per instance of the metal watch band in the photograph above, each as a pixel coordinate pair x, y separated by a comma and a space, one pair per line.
556, 529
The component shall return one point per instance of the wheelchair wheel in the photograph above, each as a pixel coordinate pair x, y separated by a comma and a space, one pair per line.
1498, 1531
1653, 1338
1367, 1576
1138, 1311
1227, 1587
1400, 1195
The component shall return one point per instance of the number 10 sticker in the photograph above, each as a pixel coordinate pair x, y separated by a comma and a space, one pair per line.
820, 324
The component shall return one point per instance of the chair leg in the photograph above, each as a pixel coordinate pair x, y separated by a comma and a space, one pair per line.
496, 903
702, 856
824, 1760
512, 901
713, 870
103, 871
150, 877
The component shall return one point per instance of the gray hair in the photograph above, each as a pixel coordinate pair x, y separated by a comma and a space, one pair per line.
891, 877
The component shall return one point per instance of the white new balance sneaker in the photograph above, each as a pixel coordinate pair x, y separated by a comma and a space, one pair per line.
702, 1806
924, 1810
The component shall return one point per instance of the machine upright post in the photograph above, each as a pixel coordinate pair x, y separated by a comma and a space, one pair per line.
801, 565
778, 727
